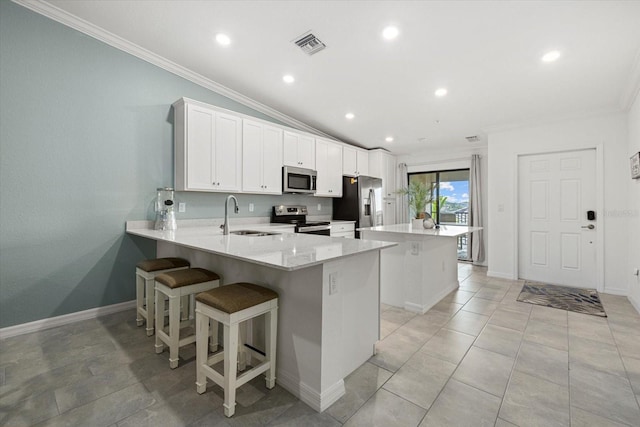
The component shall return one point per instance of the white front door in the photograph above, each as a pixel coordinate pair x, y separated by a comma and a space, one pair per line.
556, 240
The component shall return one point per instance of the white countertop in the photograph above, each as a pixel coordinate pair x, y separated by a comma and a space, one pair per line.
285, 251
443, 231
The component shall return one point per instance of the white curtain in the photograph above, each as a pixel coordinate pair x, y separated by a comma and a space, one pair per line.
475, 213
403, 206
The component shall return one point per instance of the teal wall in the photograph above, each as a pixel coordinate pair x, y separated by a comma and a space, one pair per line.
86, 136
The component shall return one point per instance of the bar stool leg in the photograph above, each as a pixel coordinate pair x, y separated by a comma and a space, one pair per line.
202, 324
230, 368
139, 299
160, 307
271, 334
213, 333
150, 296
242, 354
185, 307
174, 330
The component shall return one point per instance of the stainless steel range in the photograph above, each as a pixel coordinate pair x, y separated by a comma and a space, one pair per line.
297, 215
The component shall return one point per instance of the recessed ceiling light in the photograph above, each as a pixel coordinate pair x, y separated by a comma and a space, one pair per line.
390, 32
223, 39
440, 92
389, 139
288, 78
350, 116
551, 56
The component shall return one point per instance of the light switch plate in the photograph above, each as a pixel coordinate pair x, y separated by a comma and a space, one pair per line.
182, 207
251, 207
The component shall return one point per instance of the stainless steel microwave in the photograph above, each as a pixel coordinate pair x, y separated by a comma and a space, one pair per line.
298, 180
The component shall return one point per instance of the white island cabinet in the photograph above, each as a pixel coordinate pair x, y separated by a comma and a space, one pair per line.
324, 332
422, 269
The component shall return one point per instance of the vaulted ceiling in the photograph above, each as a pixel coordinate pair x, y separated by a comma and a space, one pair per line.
487, 54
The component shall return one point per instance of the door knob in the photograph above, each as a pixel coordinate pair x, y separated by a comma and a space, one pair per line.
590, 226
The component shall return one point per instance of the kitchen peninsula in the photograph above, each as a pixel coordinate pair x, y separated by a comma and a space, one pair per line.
324, 332
422, 269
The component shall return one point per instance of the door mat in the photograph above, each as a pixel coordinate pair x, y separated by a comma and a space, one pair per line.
580, 300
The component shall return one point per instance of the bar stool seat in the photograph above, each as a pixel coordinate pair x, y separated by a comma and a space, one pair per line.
176, 285
146, 272
231, 305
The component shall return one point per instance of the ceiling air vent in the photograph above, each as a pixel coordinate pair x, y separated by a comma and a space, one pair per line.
310, 44
474, 138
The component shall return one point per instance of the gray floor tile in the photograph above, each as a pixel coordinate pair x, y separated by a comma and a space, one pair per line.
92, 388
462, 405
106, 410
467, 322
581, 418
628, 344
397, 315
394, 351
502, 423
494, 294
499, 340
485, 370
632, 366
446, 307
531, 401
509, 319
421, 379
481, 306
596, 355
212, 419
387, 328
471, 286
549, 315
360, 386
590, 327
386, 409
29, 411
603, 394
544, 362
547, 334
448, 345
301, 414
459, 296
514, 305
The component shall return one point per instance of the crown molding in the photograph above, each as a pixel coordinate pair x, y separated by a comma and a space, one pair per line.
632, 88
53, 12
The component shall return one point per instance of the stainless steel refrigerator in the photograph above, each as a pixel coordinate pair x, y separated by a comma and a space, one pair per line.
361, 202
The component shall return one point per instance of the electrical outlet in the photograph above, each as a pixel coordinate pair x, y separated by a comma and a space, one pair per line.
333, 283
250, 207
182, 207
319, 206
636, 272
415, 248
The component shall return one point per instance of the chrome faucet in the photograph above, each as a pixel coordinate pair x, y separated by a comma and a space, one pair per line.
225, 226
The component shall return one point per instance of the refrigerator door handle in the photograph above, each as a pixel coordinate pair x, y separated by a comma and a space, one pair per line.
372, 200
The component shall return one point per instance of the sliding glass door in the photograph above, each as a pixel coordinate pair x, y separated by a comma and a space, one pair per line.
450, 203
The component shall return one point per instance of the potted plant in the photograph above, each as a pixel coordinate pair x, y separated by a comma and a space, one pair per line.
419, 194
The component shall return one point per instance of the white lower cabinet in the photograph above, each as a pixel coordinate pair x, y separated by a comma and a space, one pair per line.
261, 158
342, 229
329, 168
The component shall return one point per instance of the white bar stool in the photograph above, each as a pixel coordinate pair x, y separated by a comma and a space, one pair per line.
146, 272
176, 285
230, 305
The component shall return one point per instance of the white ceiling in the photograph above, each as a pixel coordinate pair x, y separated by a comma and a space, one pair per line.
486, 53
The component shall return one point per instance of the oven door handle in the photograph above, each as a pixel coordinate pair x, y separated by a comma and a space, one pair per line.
314, 228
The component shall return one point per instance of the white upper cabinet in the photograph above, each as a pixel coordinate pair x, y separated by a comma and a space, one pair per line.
383, 165
354, 161
299, 150
208, 149
261, 158
329, 167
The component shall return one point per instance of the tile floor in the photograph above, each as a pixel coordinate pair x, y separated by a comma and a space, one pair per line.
477, 358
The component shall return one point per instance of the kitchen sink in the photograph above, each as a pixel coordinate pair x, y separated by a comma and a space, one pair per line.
252, 233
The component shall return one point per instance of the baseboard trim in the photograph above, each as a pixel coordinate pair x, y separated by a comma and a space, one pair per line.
319, 402
500, 275
52, 322
635, 303
615, 291
423, 308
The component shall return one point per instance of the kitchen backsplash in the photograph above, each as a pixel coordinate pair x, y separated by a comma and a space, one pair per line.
211, 205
